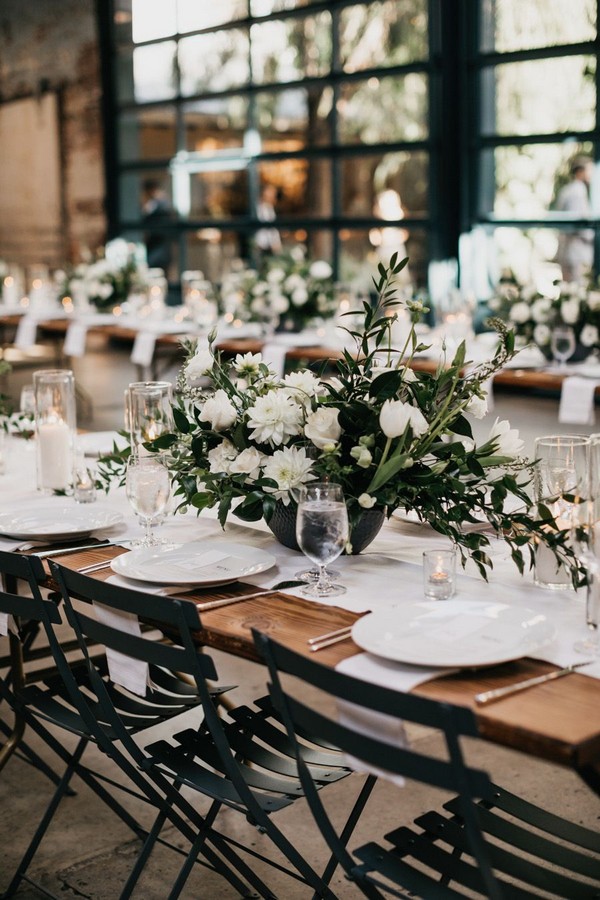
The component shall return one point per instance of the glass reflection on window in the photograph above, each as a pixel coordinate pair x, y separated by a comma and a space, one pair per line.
215, 123
509, 25
366, 179
303, 186
147, 134
383, 109
359, 259
213, 62
154, 75
218, 194
518, 87
383, 34
290, 49
295, 118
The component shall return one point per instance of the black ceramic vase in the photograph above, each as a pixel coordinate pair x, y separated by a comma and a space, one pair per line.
283, 525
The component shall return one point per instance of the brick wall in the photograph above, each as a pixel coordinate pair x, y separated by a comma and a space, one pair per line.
50, 47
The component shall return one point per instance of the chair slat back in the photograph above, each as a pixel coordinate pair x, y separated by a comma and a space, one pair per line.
15, 567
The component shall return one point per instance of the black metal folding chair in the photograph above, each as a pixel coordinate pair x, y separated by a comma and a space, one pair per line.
63, 696
240, 758
486, 842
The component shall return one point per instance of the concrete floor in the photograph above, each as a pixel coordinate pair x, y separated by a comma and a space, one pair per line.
88, 852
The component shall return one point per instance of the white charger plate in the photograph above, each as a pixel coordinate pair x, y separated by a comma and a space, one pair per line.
56, 520
199, 562
455, 633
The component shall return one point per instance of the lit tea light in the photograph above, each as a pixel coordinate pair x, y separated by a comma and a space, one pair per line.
439, 568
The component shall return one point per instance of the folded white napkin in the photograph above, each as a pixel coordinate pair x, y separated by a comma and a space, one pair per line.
143, 348
273, 354
74, 344
577, 400
131, 674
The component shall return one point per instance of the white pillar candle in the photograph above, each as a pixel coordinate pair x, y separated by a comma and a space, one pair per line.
55, 456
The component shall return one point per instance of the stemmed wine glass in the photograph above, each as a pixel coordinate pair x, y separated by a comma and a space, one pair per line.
563, 344
585, 542
148, 487
322, 533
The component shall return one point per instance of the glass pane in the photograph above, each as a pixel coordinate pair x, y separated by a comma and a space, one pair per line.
290, 120
213, 62
303, 186
133, 192
214, 252
383, 109
153, 19
291, 49
522, 91
523, 182
215, 124
220, 194
359, 259
514, 25
528, 252
383, 34
389, 186
154, 75
266, 7
194, 16
146, 134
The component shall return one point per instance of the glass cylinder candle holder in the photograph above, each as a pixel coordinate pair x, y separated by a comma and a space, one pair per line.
148, 411
561, 480
439, 573
55, 427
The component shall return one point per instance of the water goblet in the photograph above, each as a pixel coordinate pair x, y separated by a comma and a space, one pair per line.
322, 533
148, 487
562, 344
334, 491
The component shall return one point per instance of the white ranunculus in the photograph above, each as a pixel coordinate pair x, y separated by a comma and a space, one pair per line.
366, 501
219, 411
320, 269
275, 418
396, 415
221, 457
248, 462
541, 309
520, 313
289, 468
299, 296
589, 335
542, 335
507, 440
569, 311
200, 364
593, 300
477, 406
322, 427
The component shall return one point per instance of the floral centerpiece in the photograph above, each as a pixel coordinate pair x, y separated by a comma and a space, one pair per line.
390, 436
533, 313
108, 280
289, 288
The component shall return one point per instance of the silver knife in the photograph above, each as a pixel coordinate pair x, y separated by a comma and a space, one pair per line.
44, 554
498, 693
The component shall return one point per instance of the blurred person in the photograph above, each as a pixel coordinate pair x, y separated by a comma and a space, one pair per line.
268, 240
156, 210
575, 252
390, 239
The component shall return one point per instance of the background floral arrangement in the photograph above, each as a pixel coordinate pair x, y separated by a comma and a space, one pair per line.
533, 314
108, 280
289, 289
390, 436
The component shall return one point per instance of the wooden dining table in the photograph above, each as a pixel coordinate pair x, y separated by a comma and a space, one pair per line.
558, 721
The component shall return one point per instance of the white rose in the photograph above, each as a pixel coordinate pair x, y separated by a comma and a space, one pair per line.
569, 311
219, 411
366, 501
275, 276
279, 303
519, 313
593, 300
507, 440
589, 335
542, 335
478, 407
395, 415
322, 427
247, 462
541, 309
221, 457
320, 269
299, 296
200, 364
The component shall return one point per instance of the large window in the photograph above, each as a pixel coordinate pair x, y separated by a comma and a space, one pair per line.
443, 128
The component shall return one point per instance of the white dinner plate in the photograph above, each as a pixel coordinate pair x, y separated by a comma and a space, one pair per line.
456, 633
199, 562
56, 520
